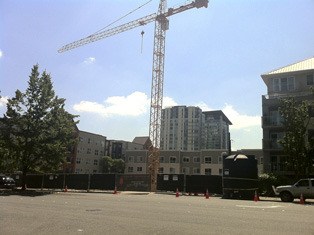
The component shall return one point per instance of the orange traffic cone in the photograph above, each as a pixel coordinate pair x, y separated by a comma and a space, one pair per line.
256, 198
302, 201
65, 189
115, 190
207, 194
177, 193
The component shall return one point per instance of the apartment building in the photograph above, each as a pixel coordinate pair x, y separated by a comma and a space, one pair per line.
294, 80
90, 150
136, 162
206, 162
189, 129
216, 133
181, 128
116, 148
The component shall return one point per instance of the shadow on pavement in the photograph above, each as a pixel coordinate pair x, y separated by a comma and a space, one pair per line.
20, 192
296, 201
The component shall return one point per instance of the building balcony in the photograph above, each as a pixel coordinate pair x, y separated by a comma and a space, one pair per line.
287, 95
270, 121
271, 144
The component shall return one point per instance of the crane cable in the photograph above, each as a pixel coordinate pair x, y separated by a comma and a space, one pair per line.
122, 17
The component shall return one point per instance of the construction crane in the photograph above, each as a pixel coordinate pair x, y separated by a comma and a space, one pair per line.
161, 25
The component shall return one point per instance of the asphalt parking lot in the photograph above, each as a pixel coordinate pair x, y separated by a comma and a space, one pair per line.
150, 213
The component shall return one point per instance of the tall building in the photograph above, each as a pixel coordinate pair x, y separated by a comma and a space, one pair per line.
190, 129
216, 130
294, 80
181, 128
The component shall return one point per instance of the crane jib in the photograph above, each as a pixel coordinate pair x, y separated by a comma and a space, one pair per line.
133, 24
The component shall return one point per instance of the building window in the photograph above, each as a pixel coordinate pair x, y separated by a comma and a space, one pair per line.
130, 159
140, 159
89, 141
220, 171
208, 160
291, 84
309, 80
219, 159
161, 170
186, 159
96, 152
78, 161
89, 151
161, 159
208, 171
173, 159
172, 170
185, 170
196, 171
130, 169
81, 139
96, 162
196, 159
276, 86
139, 169
283, 84
274, 140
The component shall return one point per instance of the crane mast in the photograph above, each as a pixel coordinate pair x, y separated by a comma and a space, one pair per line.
161, 25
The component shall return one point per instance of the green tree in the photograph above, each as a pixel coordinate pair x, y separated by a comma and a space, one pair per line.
296, 144
118, 166
106, 164
36, 131
110, 165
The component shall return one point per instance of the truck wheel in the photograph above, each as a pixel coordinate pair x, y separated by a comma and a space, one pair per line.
286, 197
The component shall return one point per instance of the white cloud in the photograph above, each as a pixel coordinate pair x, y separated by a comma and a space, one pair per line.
3, 101
245, 130
89, 60
1, 53
168, 102
134, 104
204, 107
240, 121
138, 103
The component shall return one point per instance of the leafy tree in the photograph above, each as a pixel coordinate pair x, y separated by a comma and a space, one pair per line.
106, 164
118, 166
36, 131
110, 165
295, 142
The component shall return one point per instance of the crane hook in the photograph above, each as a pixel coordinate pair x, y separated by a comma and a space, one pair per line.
142, 33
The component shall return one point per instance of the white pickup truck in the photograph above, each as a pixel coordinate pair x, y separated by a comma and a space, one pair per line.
288, 193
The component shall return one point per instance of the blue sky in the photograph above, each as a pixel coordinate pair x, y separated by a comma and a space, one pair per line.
214, 58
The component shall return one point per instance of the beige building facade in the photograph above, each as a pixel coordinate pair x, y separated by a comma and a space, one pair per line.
207, 162
90, 150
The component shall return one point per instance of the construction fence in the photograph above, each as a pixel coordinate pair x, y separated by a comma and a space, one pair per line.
123, 182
